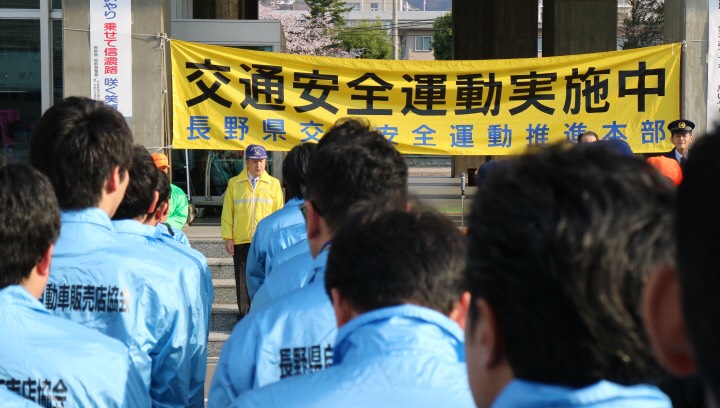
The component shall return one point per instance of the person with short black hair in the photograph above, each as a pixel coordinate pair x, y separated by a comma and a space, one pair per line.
268, 240
85, 148
680, 304
587, 137
131, 222
560, 245
39, 358
304, 319
395, 279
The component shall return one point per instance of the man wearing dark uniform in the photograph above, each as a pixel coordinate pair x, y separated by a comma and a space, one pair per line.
681, 138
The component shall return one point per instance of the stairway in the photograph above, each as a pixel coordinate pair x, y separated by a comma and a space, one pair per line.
443, 194
224, 308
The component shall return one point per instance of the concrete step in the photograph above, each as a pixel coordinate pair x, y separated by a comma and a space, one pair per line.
224, 291
433, 180
222, 268
210, 247
216, 339
223, 317
441, 192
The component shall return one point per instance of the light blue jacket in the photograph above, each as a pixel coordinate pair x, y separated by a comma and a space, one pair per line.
401, 356
285, 277
43, 356
259, 254
10, 399
118, 287
283, 240
603, 394
196, 256
257, 351
197, 280
177, 234
300, 247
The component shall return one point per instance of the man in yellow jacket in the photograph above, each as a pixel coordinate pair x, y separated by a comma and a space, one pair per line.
250, 196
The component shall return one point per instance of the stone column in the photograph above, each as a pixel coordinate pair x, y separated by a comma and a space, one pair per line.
492, 29
579, 26
227, 9
688, 20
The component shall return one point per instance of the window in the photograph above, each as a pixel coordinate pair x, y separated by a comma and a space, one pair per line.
373, 7
423, 43
21, 4
30, 69
20, 86
355, 6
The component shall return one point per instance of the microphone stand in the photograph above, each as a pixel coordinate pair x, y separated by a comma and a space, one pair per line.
462, 200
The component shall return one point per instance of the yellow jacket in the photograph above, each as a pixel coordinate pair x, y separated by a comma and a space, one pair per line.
244, 207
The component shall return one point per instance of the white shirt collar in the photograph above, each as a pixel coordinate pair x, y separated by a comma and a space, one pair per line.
678, 156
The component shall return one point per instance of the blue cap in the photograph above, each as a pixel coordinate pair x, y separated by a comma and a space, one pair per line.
255, 152
618, 146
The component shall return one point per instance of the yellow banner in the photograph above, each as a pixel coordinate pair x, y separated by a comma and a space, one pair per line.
226, 99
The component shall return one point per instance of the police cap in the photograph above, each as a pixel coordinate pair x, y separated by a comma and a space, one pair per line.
681, 126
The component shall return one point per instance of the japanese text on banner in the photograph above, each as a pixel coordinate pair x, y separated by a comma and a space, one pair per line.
227, 98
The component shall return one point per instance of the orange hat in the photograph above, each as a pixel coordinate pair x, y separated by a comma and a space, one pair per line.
160, 160
668, 167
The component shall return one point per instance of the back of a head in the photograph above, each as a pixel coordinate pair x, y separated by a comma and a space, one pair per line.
29, 221
294, 170
163, 188
590, 135
618, 146
76, 144
382, 258
354, 166
698, 224
140, 191
560, 243
668, 167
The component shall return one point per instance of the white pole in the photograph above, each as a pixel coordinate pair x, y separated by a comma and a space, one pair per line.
395, 30
187, 175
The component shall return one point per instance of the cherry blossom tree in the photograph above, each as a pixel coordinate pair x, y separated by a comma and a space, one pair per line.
308, 36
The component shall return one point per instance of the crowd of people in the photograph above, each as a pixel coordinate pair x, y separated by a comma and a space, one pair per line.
586, 278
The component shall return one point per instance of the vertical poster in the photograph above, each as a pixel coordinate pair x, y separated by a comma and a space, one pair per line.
111, 54
713, 102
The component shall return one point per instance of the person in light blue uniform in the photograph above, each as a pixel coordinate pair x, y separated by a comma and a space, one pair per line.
602, 394
176, 245
140, 206
46, 359
98, 279
10, 399
560, 245
292, 272
165, 230
299, 248
680, 306
266, 240
397, 302
303, 322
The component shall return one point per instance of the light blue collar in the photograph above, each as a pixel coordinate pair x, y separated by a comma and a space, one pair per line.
92, 215
420, 328
519, 393
17, 295
134, 227
319, 264
294, 202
